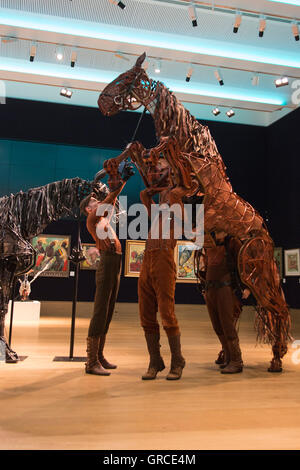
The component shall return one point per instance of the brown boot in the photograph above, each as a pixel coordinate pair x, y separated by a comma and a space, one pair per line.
224, 356
221, 357
177, 361
104, 363
236, 364
156, 363
92, 365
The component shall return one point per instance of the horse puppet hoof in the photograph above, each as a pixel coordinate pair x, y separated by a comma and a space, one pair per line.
11, 357
270, 369
275, 366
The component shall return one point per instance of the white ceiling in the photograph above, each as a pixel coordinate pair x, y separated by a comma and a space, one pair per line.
96, 29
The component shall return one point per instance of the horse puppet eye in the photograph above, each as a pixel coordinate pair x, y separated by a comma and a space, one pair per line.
118, 100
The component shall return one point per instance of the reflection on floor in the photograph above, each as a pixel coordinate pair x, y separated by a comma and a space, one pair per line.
54, 405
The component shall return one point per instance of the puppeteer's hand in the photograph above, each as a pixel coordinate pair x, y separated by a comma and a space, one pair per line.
246, 293
150, 192
126, 170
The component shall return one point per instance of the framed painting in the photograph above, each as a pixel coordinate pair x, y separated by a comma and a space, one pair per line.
52, 255
134, 255
92, 256
292, 262
278, 260
184, 259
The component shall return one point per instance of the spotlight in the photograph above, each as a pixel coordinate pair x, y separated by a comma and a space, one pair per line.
193, 15
32, 52
281, 82
73, 58
157, 67
120, 4
262, 26
218, 77
216, 111
230, 113
295, 29
255, 80
59, 54
65, 92
189, 74
237, 24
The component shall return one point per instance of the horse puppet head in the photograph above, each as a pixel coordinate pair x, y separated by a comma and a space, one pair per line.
130, 90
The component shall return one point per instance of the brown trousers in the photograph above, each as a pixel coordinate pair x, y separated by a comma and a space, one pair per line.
156, 291
107, 288
224, 310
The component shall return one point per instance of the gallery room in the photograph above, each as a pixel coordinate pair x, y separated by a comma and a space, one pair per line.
150, 234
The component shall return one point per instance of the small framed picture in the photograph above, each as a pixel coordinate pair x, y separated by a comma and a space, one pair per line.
292, 262
278, 252
92, 256
134, 255
184, 259
52, 255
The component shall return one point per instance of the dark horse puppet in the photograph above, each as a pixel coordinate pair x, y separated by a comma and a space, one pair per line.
25, 215
196, 168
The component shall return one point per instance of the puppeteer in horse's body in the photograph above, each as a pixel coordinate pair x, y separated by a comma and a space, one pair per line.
196, 169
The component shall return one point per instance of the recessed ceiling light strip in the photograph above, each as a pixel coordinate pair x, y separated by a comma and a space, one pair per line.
165, 59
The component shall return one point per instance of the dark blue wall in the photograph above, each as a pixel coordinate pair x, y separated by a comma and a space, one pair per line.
76, 141
24, 165
283, 190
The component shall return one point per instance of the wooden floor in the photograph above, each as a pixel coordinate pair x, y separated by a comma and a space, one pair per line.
53, 405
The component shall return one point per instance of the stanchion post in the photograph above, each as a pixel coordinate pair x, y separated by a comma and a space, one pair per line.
74, 305
12, 312
76, 257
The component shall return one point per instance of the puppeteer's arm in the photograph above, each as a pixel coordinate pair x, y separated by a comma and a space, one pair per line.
146, 198
110, 201
112, 196
235, 246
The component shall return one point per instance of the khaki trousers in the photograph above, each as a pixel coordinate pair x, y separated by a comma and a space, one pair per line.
107, 288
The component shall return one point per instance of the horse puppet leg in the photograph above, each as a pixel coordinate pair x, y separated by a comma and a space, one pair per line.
258, 271
7, 270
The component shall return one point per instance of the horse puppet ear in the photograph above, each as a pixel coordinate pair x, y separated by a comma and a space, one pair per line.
140, 60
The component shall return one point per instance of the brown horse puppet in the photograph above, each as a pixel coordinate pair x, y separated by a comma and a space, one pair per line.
196, 168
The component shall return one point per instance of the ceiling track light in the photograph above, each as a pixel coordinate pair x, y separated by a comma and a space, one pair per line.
66, 93
262, 26
295, 29
216, 111
284, 81
189, 74
255, 80
193, 15
73, 58
32, 52
119, 4
219, 78
230, 113
237, 23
